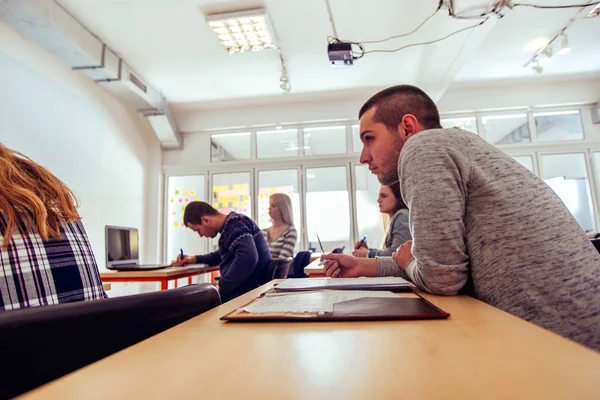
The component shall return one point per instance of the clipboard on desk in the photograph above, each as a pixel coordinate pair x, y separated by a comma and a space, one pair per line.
382, 307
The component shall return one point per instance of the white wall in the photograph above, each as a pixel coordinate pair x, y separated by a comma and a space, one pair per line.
107, 154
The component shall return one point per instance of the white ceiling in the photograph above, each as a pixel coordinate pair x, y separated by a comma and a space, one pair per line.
169, 43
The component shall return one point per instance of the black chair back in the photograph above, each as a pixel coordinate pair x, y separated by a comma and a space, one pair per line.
339, 249
596, 243
278, 269
301, 260
40, 344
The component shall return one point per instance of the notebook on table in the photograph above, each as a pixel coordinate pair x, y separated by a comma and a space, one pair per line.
336, 305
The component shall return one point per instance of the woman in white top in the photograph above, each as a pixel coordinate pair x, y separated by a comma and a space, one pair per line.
398, 232
282, 235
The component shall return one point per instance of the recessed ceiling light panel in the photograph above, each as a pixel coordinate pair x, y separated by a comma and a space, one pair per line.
243, 31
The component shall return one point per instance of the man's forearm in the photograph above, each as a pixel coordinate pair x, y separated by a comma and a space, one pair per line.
368, 266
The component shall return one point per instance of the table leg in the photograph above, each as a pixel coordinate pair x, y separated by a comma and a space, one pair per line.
176, 283
164, 284
189, 280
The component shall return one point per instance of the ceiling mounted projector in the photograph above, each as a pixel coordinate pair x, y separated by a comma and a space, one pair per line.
340, 54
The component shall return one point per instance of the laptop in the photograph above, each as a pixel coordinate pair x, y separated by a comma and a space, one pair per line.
122, 250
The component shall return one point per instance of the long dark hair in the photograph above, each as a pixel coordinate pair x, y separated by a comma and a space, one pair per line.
395, 188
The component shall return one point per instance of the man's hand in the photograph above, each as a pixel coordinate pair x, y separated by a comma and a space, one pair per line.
404, 254
361, 252
185, 261
341, 266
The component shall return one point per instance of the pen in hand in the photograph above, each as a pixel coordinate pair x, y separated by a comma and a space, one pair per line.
361, 242
181, 252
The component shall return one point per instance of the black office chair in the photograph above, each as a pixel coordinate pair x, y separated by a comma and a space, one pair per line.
596, 243
40, 344
301, 260
278, 269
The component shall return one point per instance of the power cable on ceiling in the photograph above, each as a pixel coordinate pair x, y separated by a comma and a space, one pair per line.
331, 18
441, 3
429, 42
555, 7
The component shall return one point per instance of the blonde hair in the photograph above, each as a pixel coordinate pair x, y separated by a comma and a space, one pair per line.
284, 204
31, 195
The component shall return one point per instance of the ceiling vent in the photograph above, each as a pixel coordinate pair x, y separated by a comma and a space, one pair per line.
53, 28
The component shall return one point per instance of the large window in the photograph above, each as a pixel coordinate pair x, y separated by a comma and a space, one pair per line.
567, 175
327, 140
231, 192
526, 161
558, 126
281, 181
328, 208
466, 123
230, 146
277, 143
181, 190
506, 129
369, 219
356, 143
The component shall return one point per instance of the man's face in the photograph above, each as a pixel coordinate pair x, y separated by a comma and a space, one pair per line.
381, 148
204, 229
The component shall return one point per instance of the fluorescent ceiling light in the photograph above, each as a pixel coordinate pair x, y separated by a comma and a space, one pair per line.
243, 31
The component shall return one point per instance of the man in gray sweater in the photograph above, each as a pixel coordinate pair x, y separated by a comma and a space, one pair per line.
482, 224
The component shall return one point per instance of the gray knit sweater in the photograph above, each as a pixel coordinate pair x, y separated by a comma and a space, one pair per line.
484, 225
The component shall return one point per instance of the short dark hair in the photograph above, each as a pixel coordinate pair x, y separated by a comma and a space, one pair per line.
195, 210
395, 102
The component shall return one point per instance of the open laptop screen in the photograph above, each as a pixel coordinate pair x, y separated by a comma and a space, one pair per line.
121, 245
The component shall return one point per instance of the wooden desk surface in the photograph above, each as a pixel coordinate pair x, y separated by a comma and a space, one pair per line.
158, 273
479, 353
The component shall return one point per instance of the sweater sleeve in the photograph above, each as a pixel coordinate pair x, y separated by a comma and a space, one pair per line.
388, 267
289, 243
213, 258
243, 264
434, 183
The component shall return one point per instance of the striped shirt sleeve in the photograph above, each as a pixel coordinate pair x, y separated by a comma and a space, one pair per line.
284, 245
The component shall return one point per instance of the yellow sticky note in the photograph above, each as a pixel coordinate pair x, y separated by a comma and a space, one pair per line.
197, 199
216, 205
176, 223
172, 200
186, 192
177, 192
246, 197
192, 192
183, 208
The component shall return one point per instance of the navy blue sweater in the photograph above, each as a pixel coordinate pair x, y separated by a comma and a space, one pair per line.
243, 256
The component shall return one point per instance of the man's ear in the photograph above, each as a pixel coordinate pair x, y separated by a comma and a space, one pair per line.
408, 126
206, 220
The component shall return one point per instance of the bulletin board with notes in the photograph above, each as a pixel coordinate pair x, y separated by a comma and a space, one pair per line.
236, 197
